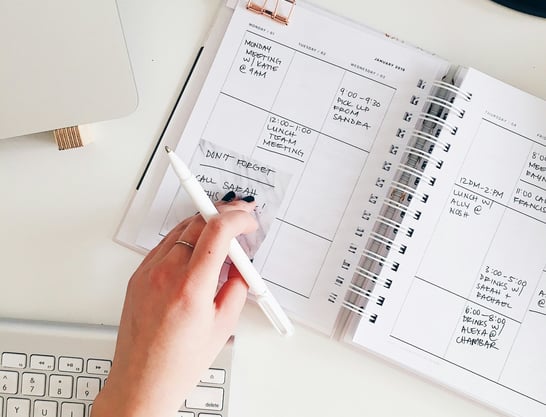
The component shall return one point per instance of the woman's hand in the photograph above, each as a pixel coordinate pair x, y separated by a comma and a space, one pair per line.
173, 322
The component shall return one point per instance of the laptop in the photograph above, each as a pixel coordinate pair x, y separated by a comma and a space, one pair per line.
64, 63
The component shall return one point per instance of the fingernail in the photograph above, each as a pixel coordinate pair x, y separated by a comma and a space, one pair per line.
248, 199
229, 196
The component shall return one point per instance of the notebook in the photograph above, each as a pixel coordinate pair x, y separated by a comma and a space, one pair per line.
58, 70
401, 198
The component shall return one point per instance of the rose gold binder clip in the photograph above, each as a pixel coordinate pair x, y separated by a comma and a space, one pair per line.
281, 12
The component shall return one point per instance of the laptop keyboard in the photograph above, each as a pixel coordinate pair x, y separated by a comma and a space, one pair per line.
56, 370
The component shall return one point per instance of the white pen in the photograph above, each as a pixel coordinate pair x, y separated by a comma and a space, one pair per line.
256, 284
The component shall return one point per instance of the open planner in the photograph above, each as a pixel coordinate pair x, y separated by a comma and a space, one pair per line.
401, 198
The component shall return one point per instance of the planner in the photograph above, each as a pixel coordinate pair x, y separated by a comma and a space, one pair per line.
401, 198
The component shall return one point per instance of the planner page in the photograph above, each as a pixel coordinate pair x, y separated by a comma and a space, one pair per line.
311, 103
468, 304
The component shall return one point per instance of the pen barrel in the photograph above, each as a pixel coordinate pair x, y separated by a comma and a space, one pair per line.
206, 207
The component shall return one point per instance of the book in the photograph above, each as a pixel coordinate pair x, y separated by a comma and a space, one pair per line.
401, 198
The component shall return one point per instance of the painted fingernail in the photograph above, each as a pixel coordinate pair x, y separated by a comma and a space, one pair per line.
248, 199
229, 196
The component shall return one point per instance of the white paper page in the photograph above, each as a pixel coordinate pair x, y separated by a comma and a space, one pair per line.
468, 304
311, 99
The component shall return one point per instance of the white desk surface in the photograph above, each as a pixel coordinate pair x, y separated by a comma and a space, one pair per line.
59, 210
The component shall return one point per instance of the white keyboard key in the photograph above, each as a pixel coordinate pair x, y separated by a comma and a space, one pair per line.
87, 388
98, 367
209, 415
45, 408
33, 384
8, 382
60, 386
206, 398
17, 407
42, 362
14, 360
214, 376
184, 414
72, 410
67, 364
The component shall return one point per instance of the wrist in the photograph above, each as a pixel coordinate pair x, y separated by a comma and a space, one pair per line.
112, 403
134, 398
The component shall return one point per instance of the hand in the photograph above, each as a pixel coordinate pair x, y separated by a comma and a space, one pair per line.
173, 322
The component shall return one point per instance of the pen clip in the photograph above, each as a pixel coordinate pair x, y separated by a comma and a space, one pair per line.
275, 313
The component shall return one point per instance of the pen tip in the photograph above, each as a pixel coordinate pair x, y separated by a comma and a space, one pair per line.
168, 149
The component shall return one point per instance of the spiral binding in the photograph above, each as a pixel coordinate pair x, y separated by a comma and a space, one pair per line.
396, 226
416, 214
441, 84
373, 277
388, 242
448, 104
421, 154
430, 138
409, 174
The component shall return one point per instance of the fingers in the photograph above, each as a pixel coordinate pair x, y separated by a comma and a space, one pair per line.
212, 248
190, 229
158, 253
230, 300
192, 233
231, 297
200, 267
180, 254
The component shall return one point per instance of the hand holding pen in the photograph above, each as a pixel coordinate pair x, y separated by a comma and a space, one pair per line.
257, 286
174, 320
